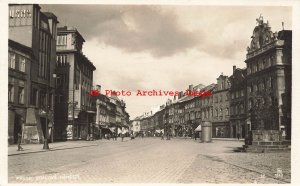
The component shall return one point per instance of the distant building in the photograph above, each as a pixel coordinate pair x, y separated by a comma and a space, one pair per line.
135, 125
220, 126
32, 53
238, 112
75, 81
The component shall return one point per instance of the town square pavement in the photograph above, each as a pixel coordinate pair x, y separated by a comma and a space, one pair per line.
147, 160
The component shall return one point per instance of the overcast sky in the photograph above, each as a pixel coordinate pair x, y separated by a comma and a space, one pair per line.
164, 47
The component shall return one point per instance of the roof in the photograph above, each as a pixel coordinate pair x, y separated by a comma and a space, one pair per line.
66, 29
185, 98
51, 15
20, 47
210, 87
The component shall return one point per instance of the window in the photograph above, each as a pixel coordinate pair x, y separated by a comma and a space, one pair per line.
12, 60
227, 112
242, 108
21, 95
264, 64
242, 93
221, 112
50, 101
216, 112
254, 68
237, 109
271, 82
11, 91
249, 69
22, 64
34, 94
272, 61
42, 99
255, 88
250, 104
216, 99
62, 40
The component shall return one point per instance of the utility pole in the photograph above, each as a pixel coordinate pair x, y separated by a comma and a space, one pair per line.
46, 145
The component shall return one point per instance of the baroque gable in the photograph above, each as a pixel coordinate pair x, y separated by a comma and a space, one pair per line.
262, 35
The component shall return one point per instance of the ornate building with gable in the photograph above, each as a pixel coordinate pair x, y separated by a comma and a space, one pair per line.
269, 62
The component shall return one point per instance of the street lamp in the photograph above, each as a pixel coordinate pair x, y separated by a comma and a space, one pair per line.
46, 145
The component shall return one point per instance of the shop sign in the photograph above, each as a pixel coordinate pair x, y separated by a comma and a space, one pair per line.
19, 14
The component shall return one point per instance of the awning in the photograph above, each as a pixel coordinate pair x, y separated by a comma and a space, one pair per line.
198, 128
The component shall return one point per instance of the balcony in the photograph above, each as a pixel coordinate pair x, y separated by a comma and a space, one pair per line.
264, 48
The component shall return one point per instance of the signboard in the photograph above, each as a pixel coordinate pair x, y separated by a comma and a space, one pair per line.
19, 13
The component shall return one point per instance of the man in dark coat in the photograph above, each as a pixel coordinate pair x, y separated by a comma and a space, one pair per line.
19, 141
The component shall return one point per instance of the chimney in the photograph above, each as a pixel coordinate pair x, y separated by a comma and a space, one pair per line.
180, 95
98, 87
234, 68
174, 98
191, 87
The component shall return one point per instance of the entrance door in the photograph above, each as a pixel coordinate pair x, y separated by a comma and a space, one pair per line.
17, 127
234, 131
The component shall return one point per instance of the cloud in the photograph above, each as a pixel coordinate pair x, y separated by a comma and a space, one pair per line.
164, 47
130, 28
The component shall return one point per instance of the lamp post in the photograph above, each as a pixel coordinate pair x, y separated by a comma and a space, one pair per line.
46, 144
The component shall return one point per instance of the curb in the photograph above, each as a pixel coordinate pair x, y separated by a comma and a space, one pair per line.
53, 149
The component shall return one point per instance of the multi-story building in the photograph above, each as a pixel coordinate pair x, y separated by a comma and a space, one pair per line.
238, 102
206, 104
19, 89
75, 80
135, 125
32, 54
220, 122
269, 61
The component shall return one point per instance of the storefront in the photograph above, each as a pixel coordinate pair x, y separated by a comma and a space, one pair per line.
221, 130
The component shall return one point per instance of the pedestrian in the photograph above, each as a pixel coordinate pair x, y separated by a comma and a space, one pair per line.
195, 135
162, 135
19, 141
238, 136
115, 135
123, 134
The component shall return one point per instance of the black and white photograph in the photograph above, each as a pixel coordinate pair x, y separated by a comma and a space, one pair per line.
149, 93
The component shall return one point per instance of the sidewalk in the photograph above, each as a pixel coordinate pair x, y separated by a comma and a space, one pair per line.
228, 139
38, 148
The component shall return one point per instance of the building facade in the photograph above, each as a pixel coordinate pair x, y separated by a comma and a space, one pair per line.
238, 102
31, 29
269, 61
75, 80
220, 123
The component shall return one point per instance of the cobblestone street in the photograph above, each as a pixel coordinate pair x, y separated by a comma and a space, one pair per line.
149, 160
